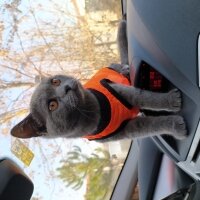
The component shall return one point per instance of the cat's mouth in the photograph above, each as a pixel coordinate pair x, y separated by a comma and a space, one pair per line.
71, 99
74, 97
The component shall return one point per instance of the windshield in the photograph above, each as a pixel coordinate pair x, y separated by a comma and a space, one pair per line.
40, 38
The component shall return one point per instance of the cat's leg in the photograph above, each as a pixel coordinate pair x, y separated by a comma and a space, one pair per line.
170, 101
122, 69
150, 126
116, 67
122, 42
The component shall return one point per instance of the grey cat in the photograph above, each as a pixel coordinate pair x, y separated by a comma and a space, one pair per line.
62, 107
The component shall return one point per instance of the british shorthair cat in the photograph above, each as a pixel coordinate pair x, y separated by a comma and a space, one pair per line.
105, 108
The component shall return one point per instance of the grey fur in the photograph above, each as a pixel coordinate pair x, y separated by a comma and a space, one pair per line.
78, 113
78, 109
122, 42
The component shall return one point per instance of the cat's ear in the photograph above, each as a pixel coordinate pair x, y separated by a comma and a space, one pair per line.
27, 128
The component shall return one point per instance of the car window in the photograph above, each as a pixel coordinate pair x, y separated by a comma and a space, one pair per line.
39, 38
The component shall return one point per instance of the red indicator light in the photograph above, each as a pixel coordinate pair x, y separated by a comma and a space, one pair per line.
150, 79
152, 75
155, 80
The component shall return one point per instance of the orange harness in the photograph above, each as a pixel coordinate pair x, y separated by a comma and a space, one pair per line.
120, 109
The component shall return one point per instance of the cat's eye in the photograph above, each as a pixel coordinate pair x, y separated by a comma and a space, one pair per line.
55, 82
53, 105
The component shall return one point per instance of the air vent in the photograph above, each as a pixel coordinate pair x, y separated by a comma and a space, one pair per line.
192, 164
196, 153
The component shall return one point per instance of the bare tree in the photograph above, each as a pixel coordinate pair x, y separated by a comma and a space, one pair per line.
34, 47
36, 41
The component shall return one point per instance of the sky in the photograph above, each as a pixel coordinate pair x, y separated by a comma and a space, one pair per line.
44, 164
47, 153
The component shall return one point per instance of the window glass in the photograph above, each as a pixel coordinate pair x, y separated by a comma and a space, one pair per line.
44, 37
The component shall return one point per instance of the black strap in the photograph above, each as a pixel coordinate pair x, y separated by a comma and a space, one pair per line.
105, 111
105, 83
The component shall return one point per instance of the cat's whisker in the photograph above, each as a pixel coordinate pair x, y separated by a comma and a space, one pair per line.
84, 114
88, 111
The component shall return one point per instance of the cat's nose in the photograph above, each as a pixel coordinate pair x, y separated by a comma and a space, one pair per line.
67, 88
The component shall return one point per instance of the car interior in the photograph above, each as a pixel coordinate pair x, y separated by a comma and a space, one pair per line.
163, 41
14, 183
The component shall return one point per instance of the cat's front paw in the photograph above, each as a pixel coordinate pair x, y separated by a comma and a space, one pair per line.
125, 70
179, 128
174, 100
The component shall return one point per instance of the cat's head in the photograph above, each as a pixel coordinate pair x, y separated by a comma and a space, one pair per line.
59, 107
